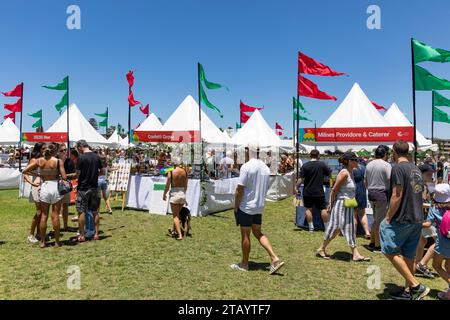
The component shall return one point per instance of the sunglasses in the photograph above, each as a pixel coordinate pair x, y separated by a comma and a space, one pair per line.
63, 150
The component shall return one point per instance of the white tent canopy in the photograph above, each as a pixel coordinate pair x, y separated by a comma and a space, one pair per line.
356, 111
256, 133
395, 117
9, 133
80, 128
185, 118
151, 123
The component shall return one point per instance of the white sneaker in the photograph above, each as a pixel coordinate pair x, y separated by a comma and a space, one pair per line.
32, 239
236, 266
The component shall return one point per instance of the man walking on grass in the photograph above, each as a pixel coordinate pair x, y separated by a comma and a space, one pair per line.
249, 206
89, 166
401, 229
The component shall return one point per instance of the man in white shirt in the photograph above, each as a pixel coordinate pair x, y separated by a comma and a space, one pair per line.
227, 165
249, 206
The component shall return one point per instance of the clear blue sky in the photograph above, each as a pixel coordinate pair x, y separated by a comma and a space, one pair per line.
251, 46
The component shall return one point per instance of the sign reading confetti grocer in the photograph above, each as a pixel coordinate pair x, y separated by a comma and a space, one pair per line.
119, 176
166, 136
375, 134
44, 136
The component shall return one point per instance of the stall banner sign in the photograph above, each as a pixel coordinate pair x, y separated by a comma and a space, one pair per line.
367, 134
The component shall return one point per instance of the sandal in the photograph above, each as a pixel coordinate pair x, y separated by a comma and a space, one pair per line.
322, 256
274, 269
363, 259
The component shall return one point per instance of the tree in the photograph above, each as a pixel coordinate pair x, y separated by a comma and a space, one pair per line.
93, 123
110, 131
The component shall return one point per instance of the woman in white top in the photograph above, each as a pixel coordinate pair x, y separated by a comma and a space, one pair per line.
341, 208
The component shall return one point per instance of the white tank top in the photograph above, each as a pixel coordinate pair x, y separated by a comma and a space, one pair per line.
347, 189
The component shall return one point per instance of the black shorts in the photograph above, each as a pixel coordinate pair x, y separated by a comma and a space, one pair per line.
317, 202
247, 220
87, 200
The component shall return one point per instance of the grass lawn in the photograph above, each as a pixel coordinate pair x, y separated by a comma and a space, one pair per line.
136, 260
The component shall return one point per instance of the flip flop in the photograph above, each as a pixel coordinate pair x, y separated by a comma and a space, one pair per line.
363, 259
274, 269
325, 256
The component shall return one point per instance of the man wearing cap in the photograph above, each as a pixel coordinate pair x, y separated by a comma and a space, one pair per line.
89, 166
400, 230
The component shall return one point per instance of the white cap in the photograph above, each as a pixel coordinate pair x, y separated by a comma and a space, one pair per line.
442, 193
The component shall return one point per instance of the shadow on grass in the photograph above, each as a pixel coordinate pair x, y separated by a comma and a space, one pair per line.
2, 242
388, 289
261, 266
341, 256
73, 241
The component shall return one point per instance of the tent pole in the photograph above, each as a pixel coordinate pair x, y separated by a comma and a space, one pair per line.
432, 117
200, 121
20, 137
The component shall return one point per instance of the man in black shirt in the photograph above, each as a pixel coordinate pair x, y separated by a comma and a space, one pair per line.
313, 175
401, 229
89, 166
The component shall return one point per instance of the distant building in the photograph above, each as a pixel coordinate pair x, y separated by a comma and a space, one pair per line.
444, 146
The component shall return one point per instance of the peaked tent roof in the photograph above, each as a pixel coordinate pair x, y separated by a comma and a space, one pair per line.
355, 111
80, 128
256, 133
185, 118
114, 138
151, 123
395, 117
9, 133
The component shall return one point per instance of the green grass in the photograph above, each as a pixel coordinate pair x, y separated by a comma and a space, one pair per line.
136, 260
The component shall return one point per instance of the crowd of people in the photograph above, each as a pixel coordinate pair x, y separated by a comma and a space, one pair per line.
411, 206
49, 171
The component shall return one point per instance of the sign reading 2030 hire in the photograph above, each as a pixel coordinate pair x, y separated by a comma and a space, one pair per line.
367, 134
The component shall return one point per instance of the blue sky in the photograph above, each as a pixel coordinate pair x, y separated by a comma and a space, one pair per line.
250, 46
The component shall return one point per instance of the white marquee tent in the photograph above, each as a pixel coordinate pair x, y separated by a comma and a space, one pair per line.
185, 118
9, 133
151, 123
395, 117
256, 133
80, 128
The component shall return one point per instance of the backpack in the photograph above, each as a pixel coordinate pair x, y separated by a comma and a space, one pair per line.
444, 227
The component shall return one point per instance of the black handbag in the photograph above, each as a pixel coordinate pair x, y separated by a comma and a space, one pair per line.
64, 186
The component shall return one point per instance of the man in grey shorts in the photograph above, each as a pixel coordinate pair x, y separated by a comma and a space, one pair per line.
377, 180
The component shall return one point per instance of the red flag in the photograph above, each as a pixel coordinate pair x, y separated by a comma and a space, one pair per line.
131, 101
378, 107
12, 116
16, 92
308, 65
244, 117
279, 133
278, 127
307, 88
130, 78
15, 107
145, 110
246, 108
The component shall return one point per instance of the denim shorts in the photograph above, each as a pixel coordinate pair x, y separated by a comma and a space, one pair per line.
247, 220
400, 239
102, 185
442, 246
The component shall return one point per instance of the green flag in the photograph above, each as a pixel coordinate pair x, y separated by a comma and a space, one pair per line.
238, 126
103, 123
37, 124
425, 81
209, 85
423, 52
205, 100
62, 103
60, 86
301, 118
440, 101
37, 114
440, 116
102, 115
299, 105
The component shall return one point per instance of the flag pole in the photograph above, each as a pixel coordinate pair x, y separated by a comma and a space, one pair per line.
414, 101
200, 119
297, 122
293, 122
20, 129
68, 111
432, 117
107, 118
129, 117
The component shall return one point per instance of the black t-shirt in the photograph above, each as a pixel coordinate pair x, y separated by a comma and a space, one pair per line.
88, 164
69, 166
314, 174
408, 176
